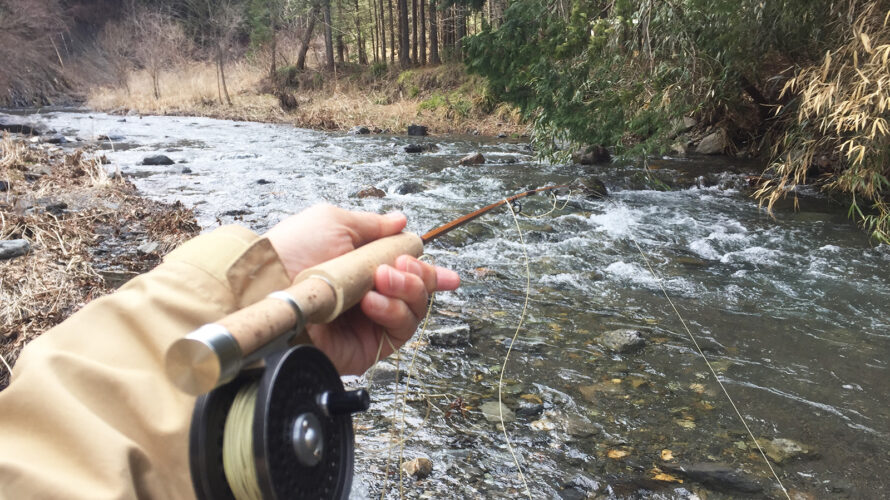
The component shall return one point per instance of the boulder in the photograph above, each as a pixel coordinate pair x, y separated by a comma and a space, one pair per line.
414, 148
186, 170
4, 186
54, 139
10, 249
359, 130
623, 340
21, 125
409, 187
371, 192
591, 155
157, 160
502, 135
417, 130
263, 182
419, 468
712, 144
472, 159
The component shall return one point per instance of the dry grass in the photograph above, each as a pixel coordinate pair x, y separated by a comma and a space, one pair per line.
65, 205
339, 105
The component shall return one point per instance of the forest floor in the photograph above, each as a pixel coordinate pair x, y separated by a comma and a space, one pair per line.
443, 98
86, 232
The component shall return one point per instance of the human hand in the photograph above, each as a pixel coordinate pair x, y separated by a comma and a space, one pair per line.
395, 306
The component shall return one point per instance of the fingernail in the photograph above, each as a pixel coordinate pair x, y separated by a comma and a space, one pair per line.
414, 267
396, 279
377, 301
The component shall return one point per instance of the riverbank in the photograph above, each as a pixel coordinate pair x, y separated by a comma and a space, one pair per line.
442, 98
82, 233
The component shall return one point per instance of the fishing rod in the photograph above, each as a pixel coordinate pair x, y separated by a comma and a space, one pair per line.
284, 430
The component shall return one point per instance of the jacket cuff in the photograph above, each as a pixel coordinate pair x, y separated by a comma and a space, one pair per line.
242, 262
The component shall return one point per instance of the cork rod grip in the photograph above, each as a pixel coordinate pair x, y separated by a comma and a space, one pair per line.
323, 292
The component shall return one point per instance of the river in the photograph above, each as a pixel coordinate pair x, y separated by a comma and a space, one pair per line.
791, 311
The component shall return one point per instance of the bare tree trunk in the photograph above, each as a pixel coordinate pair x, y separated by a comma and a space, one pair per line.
222, 72
414, 55
392, 35
382, 33
422, 33
434, 33
328, 38
375, 33
306, 39
360, 44
461, 31
404, 42
273, 25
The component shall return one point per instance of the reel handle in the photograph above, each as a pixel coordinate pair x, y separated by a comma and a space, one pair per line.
215, 353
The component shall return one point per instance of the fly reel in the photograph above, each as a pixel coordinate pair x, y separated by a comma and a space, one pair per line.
280, 432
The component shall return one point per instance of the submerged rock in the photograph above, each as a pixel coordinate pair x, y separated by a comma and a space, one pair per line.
781, 450
157, 160
421, 148
592, 187
450, 336
371, 192
623, 340
20, 125
719, 477
472, 159
10, 249
419, 468
417, 130
409, 187
491, 413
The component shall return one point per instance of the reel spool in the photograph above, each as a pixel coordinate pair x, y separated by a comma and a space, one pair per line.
298, 443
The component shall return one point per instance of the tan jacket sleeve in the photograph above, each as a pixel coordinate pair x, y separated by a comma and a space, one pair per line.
89, 413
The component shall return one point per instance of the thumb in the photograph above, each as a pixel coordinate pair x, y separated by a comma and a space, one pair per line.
365, 227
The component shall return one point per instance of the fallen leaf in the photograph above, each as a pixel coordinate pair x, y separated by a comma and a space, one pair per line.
616, 454
616, 380
667, 455
699, 388
667, 478
543, 425
499, 314
555, 327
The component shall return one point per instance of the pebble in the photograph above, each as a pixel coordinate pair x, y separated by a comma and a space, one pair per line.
623, 340
10, 249
490, 411
419, 468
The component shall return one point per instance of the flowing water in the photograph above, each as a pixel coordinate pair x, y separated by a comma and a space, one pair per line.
791, 311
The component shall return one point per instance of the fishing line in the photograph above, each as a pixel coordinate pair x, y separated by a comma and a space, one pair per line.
238, 464
528, 281
738, 413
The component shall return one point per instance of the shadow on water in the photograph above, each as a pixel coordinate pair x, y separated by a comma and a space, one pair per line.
791, 311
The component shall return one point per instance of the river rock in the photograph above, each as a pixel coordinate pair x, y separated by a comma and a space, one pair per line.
10, 249
186, 170
720, 477
263, 182
472, 159
781, 450
359, 130
450, 336
592, 187
4, 186
490, 411
580, 427
591, 155
623, 340
148, 247
529, 408
54, 139
413, 148
21, 125
157, 160
419, 468
712, 144
371, 192
502, 135
417, 130
409, 187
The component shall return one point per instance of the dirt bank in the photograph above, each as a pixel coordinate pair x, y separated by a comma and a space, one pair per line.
86, 233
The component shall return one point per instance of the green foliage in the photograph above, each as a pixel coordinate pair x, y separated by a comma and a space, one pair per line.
452, 104
378, 69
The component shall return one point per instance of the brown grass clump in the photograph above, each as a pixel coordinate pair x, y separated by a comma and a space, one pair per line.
83, 227
388, 101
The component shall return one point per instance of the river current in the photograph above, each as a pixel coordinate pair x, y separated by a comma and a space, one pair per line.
791, 311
